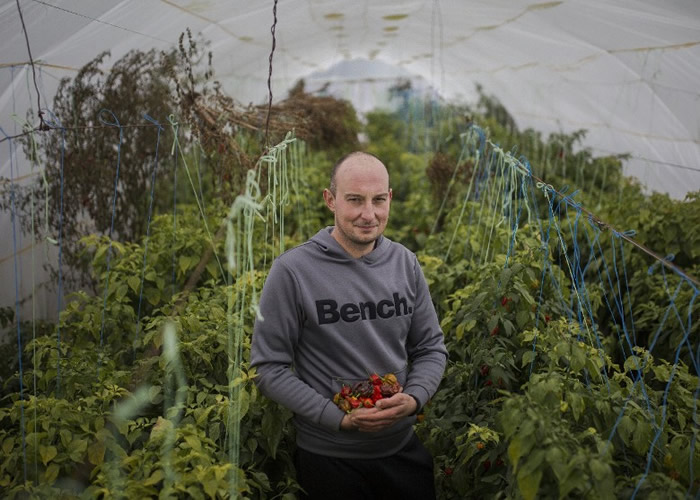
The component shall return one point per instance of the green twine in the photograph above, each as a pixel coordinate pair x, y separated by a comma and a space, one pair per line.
176, 146
240, 222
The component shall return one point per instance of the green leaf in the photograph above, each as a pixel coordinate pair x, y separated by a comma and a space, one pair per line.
661, 372
184, 263
121, 291
599, 469
524, 293
155, 395
459, 331
272, 429
556, 459
528, 356
642, 437
66, 437
96, 453
215, 431
243, 403
99, 423
577, 404
210, 487
76, 448
203, 415
51, 473
194, 443
529, 484
134, 283
152, 295
47, 453
578, 358
625, 429
8, 445
261, 479
519, 446
633, 363
155, 478
522, 318
252, 444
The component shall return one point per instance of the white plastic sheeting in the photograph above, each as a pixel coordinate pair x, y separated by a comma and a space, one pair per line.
628, 71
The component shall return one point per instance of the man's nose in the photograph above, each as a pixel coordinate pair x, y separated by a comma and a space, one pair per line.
367, 211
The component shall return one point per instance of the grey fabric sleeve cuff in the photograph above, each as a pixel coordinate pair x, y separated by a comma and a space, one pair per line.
331, 417
418, 405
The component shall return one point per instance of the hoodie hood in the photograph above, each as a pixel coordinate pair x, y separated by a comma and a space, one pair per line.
329, 246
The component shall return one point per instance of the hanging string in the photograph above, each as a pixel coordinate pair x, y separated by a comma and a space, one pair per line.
17, 310
113, 123
200, 202
42, 125
95, 20
269, 75
150, 213
54, 123
30, 131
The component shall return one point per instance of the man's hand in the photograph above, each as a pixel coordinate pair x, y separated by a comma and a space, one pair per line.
386, 412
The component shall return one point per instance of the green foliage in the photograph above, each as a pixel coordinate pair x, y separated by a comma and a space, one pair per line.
571, 365
111, 419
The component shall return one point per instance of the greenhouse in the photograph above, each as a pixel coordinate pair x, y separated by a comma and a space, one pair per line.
183, 231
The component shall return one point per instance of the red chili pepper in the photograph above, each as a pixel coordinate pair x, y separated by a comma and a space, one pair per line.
504, 301
494, 332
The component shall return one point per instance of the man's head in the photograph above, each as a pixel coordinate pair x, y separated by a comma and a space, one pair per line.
359, 196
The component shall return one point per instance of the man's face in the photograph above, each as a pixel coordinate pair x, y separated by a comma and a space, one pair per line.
360, 204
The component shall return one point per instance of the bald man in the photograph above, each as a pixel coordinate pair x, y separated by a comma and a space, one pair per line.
347, 303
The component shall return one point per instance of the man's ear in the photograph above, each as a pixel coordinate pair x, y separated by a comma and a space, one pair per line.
391, 193
329, 199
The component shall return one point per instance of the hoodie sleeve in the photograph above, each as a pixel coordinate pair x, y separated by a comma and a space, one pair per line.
427, 355
272, 351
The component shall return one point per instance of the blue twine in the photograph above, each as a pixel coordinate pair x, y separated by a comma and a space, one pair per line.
621, 310
514, 230
638, 379
652, 268
114, 123
695, 420
607, 302
618, 297
17, 310
664, 405
545, 266
629, 295
150, 212
587, 302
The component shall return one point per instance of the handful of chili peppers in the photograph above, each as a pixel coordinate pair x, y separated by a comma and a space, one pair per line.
366, 393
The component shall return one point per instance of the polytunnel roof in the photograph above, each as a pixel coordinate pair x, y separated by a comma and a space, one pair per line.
628, 71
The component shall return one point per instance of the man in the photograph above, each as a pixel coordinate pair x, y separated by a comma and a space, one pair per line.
346, 304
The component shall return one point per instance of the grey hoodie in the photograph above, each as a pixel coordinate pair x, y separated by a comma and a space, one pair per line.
331, 319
